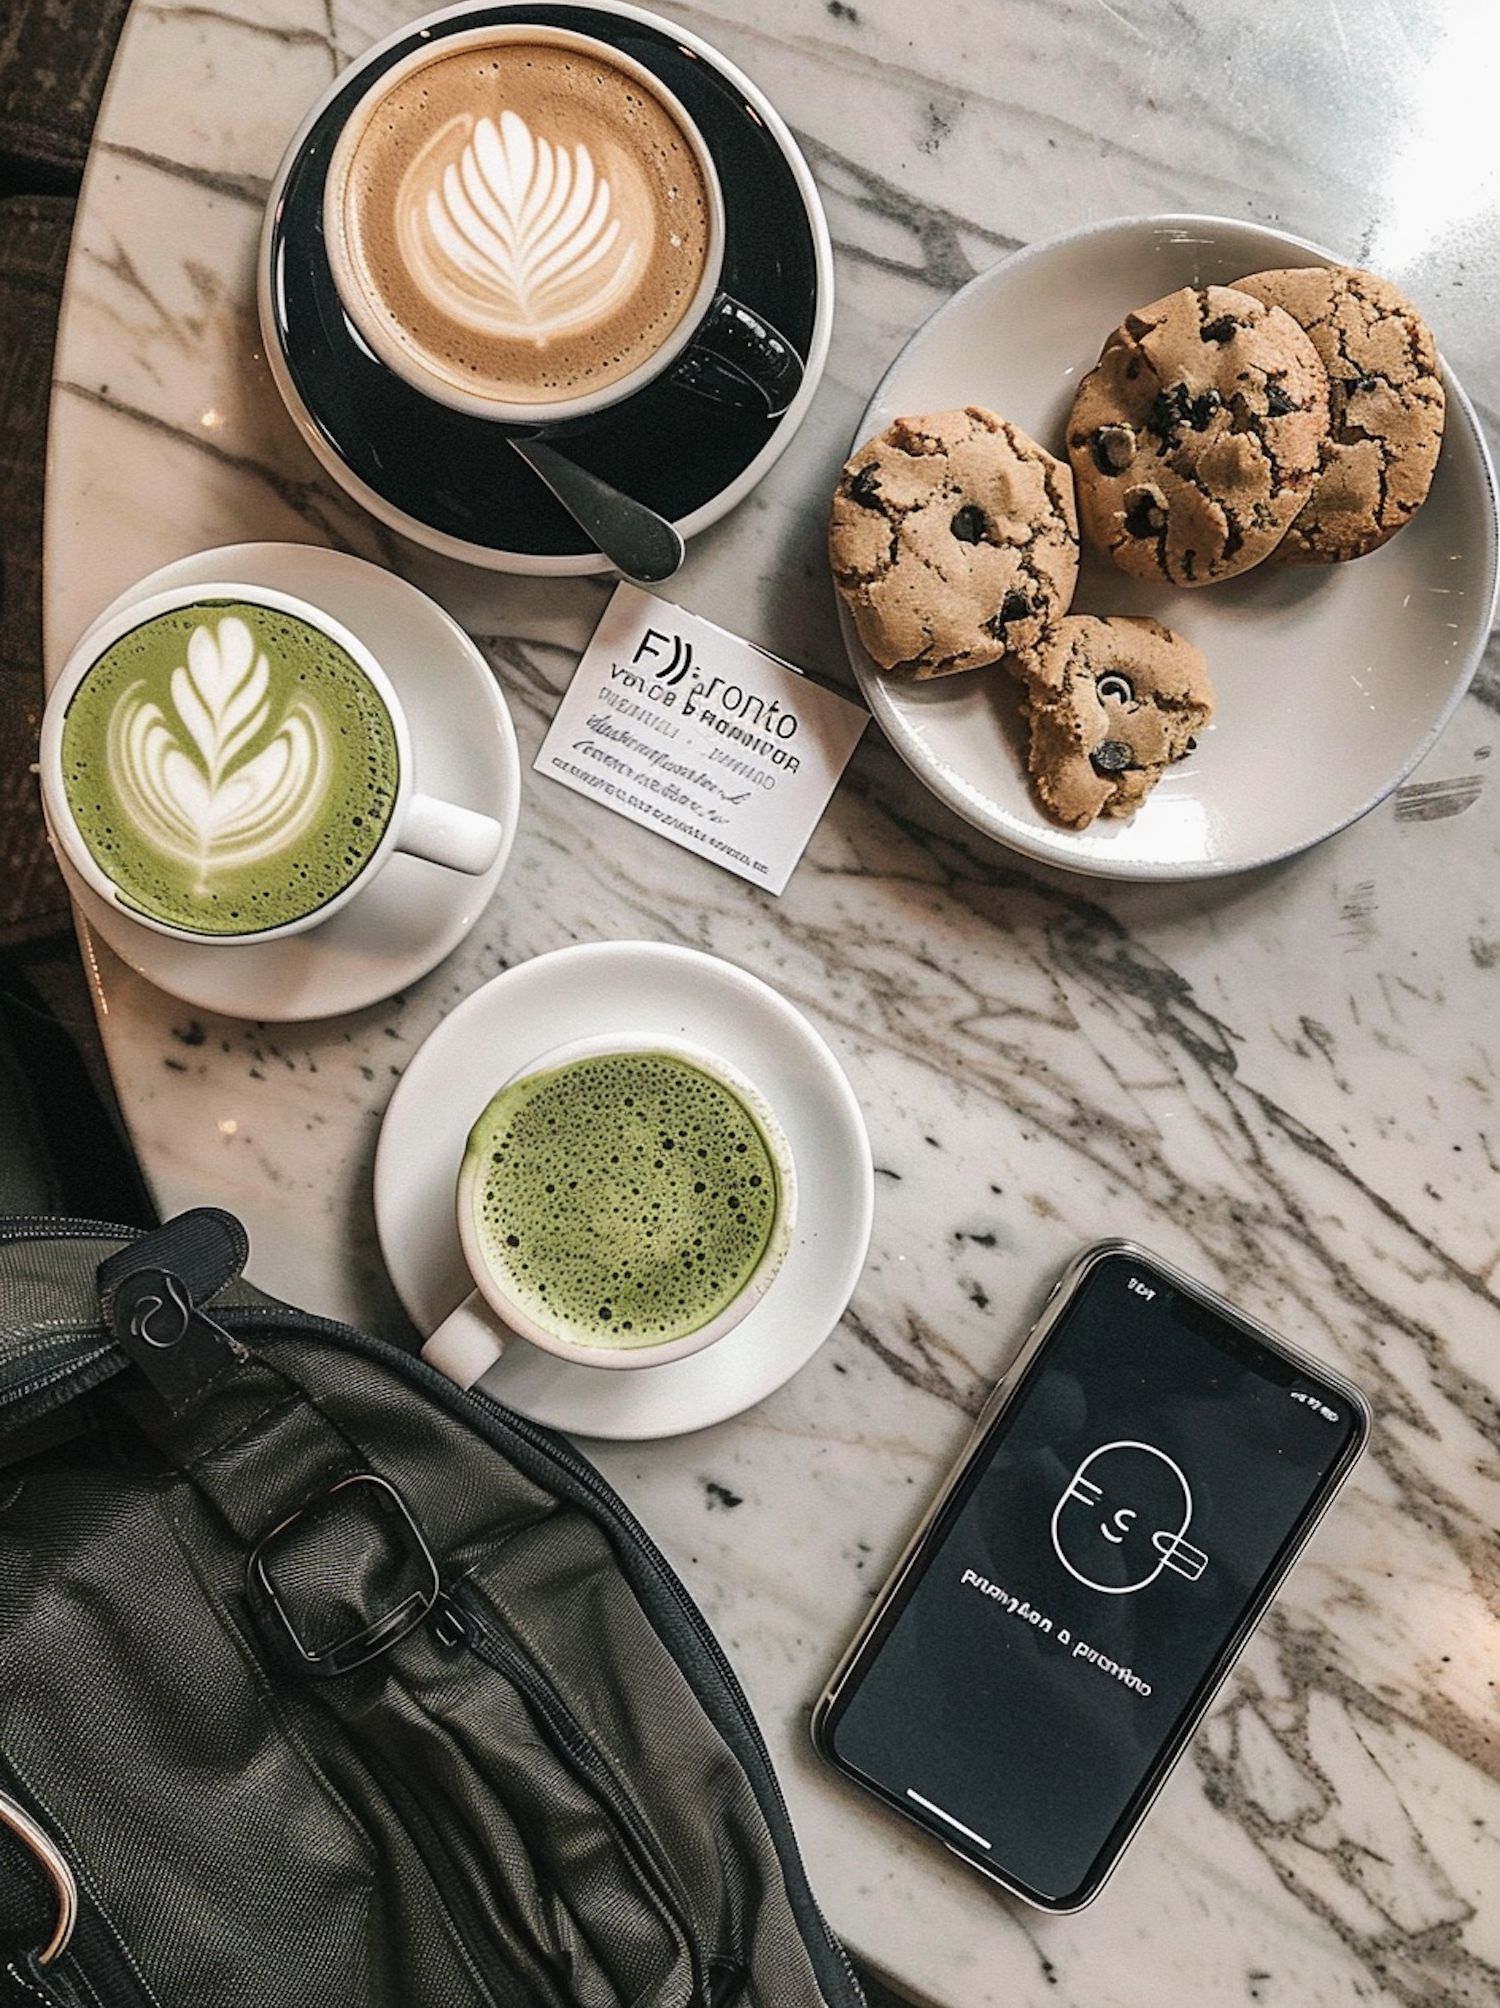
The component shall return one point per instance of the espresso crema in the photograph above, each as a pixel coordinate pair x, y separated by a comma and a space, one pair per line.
524, 221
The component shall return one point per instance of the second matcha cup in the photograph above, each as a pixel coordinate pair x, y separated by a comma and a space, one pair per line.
623, 1204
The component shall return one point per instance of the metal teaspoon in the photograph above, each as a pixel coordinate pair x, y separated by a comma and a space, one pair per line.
644, 546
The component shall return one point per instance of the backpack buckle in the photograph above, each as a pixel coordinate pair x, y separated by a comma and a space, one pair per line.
344, 1578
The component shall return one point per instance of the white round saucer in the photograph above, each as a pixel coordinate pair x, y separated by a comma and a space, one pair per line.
1332, 681
415, 913
634, 988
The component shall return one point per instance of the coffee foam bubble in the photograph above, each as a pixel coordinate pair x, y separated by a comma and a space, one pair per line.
526, 222
622, 1200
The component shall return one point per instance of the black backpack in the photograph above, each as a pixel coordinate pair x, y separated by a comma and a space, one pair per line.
326, 1684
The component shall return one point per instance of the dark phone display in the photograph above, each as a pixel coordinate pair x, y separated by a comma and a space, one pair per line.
1080, 1588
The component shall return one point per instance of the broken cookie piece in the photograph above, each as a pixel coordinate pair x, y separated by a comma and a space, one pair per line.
1195, 438
1385, 408
1111, 703
954, 541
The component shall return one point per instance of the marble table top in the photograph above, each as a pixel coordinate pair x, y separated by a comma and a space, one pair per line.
1286, 1081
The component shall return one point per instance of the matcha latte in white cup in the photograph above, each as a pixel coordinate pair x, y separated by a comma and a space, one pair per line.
619, 1205
227, 763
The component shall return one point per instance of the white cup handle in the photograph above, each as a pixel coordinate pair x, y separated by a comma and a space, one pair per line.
445, 834
467, 1343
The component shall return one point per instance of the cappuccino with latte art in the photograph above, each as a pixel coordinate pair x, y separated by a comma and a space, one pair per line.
522, 222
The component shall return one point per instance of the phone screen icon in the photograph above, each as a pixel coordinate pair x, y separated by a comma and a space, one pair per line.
1123, 1518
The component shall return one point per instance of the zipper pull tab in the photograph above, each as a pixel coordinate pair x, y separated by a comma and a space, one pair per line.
150, 1293
448, 1624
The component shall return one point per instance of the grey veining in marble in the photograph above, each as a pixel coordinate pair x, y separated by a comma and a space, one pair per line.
1289, 1083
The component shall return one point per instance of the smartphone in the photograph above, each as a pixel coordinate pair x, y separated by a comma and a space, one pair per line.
1133, 1493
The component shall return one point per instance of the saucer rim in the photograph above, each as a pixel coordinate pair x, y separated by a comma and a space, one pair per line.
274, 1000
833, 1231
581, 564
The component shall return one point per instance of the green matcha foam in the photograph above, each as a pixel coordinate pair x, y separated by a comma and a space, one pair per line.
230, 767
622, 1200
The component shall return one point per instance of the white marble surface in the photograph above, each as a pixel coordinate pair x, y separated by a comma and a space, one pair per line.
1288, 1082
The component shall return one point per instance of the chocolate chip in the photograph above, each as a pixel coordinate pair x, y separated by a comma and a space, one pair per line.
1354, 385
1278, 401
1112, 448
1145, 512
1014, 607
969, 525
865, 488
1168, 414
1201, 410
1224, 329
1111, 756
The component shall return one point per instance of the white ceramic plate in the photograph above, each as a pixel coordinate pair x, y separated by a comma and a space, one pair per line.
655, 990
415, 913
1331, 681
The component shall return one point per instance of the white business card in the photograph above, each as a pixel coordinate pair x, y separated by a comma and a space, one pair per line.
686, 729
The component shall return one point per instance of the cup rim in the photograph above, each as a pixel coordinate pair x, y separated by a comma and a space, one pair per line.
517, 1320
101, 636
370, 326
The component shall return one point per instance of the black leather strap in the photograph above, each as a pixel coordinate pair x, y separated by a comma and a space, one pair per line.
151, 1294
206, 1248
337, 1569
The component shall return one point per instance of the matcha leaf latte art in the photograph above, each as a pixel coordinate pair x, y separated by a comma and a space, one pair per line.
199, 775
229, 766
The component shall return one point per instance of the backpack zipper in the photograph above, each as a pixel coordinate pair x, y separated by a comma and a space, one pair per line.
458, 1627
573, 1745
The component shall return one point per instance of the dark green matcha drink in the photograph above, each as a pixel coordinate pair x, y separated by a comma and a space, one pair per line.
230, 767
623, 1200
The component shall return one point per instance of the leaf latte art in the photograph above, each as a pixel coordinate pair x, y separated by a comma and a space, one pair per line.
519, 217
210, 778
515, 236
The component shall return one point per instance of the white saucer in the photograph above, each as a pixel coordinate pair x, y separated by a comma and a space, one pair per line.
631, 987
415, 913
1332, 681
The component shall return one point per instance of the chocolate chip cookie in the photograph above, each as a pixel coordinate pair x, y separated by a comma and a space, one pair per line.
1110, 704
1195, 438
1385, 408
954, 541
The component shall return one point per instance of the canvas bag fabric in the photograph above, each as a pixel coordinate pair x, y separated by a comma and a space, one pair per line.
337, 1686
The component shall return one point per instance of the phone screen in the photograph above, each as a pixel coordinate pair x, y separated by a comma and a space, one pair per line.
1090, 1577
